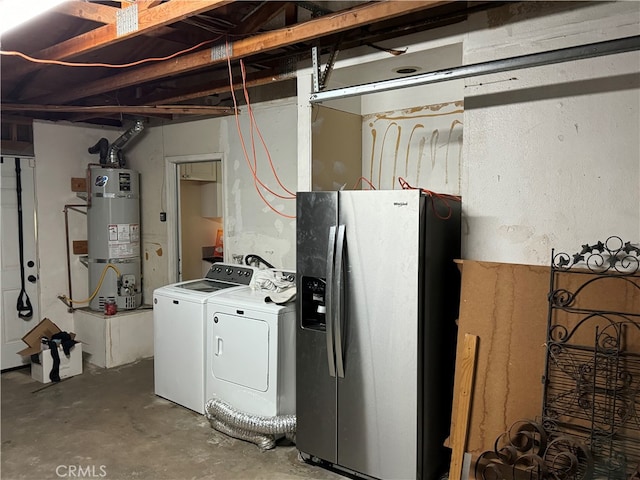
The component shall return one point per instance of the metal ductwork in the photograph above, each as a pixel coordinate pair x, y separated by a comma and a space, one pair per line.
257, 429
112, 154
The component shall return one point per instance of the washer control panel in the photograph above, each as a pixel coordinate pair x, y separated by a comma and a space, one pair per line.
227, 272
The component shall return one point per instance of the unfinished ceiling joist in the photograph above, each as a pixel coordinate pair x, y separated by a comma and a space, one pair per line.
134, 110
106, 35
95, 12
218, 87
272, 40
163, 53
609, 47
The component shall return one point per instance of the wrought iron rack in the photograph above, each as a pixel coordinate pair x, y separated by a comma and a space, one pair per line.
592, 369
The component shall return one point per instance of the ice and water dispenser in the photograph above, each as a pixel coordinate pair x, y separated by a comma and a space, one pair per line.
313, 304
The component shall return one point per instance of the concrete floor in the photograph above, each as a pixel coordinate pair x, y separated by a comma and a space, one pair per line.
108, 423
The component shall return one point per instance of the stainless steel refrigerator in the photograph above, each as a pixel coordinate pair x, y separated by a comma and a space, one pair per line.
378, 295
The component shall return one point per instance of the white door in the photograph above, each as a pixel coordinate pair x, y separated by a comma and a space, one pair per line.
12, 327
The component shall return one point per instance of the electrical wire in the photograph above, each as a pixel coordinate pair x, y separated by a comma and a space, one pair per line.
104, 65
443, 197
68, 301
364, 180
255, 124
253, 169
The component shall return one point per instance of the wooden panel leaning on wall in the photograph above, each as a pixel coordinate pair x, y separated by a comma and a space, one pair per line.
506, 306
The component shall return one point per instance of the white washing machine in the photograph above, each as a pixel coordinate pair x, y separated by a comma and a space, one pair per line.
250, 352
179, 332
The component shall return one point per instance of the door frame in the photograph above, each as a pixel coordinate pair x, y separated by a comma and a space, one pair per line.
172, 180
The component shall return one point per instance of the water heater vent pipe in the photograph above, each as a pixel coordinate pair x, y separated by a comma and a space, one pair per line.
114, 154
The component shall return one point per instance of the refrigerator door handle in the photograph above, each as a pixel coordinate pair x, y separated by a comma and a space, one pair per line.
338, 302
329, 301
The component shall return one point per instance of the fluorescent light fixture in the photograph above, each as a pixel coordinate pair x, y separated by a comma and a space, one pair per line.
16, 12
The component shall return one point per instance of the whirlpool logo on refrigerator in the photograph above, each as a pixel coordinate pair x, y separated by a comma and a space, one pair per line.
400, 204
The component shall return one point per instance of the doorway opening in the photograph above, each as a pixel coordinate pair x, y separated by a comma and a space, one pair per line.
195, 218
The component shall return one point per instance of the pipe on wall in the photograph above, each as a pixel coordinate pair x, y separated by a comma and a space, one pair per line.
66, 230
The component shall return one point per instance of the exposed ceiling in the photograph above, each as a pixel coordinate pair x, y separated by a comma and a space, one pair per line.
269, 37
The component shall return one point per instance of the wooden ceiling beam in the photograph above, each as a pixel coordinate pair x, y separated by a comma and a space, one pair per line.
135, 109
148, 19
149, 4
104, 14
184, 94
262, 15
329, 24
95, 12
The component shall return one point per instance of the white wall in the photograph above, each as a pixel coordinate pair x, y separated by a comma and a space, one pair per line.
61, 153
250, 225
415, 133
551, 154
256, 220
420, 145
432, 50
147, 157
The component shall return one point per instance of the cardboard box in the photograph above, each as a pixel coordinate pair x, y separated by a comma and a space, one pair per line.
69, 366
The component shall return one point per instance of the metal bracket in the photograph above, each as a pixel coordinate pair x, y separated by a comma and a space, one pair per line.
320, 79
127, 20
220, 51
315, 58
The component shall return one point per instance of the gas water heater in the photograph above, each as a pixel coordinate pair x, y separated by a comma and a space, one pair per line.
113, 224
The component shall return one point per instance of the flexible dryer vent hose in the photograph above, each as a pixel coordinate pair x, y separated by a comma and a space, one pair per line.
264, 442
257, 429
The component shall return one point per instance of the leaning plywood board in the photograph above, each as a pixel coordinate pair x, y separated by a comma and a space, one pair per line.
505, 305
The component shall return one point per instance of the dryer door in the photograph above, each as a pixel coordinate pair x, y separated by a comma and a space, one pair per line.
240, 350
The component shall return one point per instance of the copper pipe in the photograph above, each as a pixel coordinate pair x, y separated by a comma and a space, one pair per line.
66, 230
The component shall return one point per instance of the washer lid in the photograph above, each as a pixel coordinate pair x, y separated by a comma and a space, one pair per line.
204, 285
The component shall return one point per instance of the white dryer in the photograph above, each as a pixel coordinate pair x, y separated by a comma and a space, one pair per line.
179, 332
250, 353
